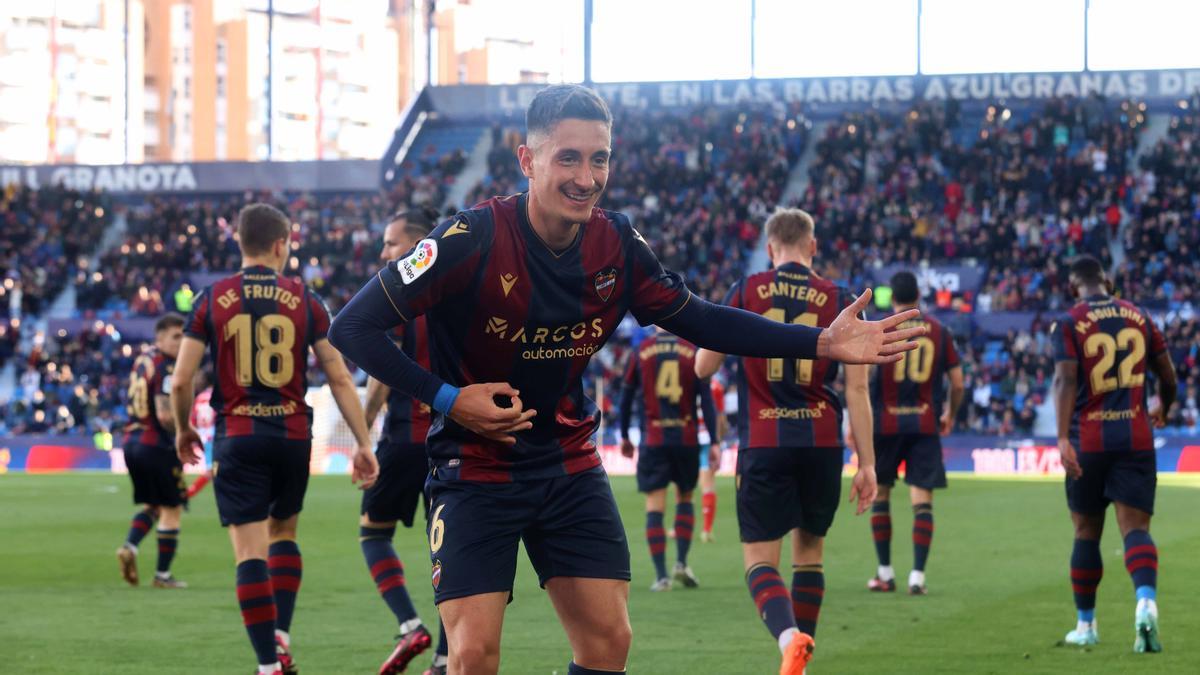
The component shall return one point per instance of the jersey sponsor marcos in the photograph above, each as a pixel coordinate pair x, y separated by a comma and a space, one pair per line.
501, 306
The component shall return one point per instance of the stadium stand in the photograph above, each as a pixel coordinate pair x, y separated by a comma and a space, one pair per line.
1012, 190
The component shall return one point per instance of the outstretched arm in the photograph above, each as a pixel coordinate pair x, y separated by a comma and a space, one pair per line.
365, 468
848, 339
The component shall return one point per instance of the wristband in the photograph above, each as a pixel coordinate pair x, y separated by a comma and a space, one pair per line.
446, 396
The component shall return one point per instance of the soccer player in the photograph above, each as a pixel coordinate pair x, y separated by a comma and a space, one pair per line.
662, 367
1103, 348
154, 469
710, 463
204, 420
519, 292
910, 410
403, 467
789, 471
258, 326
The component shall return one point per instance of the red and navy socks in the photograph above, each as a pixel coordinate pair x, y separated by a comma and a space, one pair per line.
922, 534
168, 541
1141, 561
808, 590
771, 598
656, 538
286, 569
1087, 568
138, 528
257, 601
685, 521
387, 570
881, 532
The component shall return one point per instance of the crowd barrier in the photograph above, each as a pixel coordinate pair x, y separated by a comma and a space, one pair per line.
972, 454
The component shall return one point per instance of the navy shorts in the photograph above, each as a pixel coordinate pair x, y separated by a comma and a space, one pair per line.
781, 489
157, 475
570, 526
403, 468
922, 457
256, 477
658, 467
1125, 476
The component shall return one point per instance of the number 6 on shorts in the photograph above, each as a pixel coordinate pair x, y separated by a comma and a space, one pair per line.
437, 529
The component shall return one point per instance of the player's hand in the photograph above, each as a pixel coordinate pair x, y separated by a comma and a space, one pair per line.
1158, 417
947, 423
627, 447
850, 339
364, 468
864, 488
714, 456
476, 409
1070, 460
188, 445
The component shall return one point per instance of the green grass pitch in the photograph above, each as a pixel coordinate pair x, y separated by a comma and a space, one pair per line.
999, 596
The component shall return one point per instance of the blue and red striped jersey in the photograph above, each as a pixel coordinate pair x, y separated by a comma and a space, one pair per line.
150, 378
504, 307
1110, 341
258, 326
789, 402
408, 418
663, 368
908, 396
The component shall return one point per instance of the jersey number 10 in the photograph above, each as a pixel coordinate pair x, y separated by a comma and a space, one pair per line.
266, 353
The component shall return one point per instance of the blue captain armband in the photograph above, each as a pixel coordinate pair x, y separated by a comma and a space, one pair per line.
446, 396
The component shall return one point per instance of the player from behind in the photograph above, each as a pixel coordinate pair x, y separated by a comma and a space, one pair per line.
790, 451
661, 374
403, 468
154, 469
258, 326
910, 411
519, 293
1103, 348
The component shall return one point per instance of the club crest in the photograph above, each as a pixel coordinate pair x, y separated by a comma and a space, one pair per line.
606, 280
437, 573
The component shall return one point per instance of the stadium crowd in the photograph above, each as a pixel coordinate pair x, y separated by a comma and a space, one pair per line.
1013, 191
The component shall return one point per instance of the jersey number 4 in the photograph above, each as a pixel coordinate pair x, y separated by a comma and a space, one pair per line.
666, 385
1105, 346
262, 348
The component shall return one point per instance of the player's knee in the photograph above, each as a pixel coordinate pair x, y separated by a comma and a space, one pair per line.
1088, 528
607, 645
474, 656
684, 497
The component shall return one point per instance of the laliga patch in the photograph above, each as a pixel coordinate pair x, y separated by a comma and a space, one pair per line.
606, 280
437, 573
416, 263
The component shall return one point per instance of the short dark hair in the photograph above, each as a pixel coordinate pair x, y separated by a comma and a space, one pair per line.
1087, 270
418, 221
905, 289
259, 227
168, 321
561, 102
